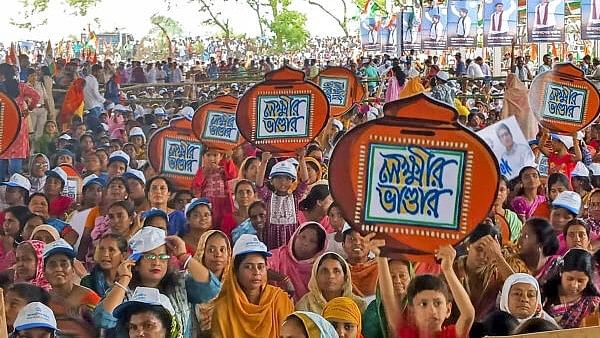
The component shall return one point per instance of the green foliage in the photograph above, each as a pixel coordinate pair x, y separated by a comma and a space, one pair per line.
361, 3
39, 6
290, 31
167, 25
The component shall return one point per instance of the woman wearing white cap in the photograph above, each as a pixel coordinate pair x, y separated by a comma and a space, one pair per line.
35, 320
247, 306
149, 266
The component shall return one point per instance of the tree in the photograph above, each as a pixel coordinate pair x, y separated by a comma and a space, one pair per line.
342, 22
167, 29
216, 18
256, 6
287, 25
39, 6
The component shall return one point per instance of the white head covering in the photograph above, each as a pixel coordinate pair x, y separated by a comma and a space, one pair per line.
520, 278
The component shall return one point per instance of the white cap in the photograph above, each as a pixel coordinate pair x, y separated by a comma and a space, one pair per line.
145, 296
595, 169
159, 111
569, 200
580, 170
283, 168
119, 155
442, 75
35, 315
148, 238
92, 179
18, 181
104, 126
122, 108
134, 173
59, 173
196, 202
566, 140
249, 244
137, 131
337, 123
65, 137
187, 112
110, 106
58, 246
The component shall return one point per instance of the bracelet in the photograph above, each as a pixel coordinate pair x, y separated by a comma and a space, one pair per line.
186, 262
121, 286
181, 254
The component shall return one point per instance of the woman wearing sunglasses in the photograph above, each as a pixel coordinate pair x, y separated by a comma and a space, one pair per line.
149, 266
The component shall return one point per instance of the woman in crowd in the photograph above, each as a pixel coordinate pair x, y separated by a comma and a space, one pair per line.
214, 252
344, 315
108, 255
315, 171
529, 196
45, 233
59, 205
576, 234
514, 223
247, 306
521, 297
158, 191
29, 266
330, 278
199, 220
14, 222
570, 295
537, 249
149, 266
315, 205
557, 183
593, 218
295, 260
302, 324
244, 194
35, 320
37, 172
122, 219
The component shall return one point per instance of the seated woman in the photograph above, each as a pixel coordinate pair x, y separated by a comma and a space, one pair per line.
295, 260
248, 307
537, 249
68, 298
244, 194
315, 205
198, 214
109, 253
45, 233
530, 196
59, 205
375, 323
17, 295
557, 183
214, 252
148, 266
14, 222
148, 313
255, 224
513, 221
576, 234
344, 315
570, 295
122, 220
330, 278
35, 320
29, 266
158, 191
521, 297
306, 325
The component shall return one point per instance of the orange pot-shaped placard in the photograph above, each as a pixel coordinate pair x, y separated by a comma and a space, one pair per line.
282, 113
10, 121
175, 152
564, 100
342, 88
418, 180
214, 124
74, 182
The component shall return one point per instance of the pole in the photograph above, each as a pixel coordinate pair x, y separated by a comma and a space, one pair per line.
401, 31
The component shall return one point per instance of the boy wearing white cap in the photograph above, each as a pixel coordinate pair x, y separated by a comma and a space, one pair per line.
118, 162
282, 205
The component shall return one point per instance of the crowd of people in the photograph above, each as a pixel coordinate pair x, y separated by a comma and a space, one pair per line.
257, 246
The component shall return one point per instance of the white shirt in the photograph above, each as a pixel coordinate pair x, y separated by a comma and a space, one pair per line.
542, 69
463, 26
474, 71
151, 75
544, 14
91, 94
499, 21
177, 77
485, 69
436, 31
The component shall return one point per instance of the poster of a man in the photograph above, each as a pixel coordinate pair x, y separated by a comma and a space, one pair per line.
545, 20
590, 19
462, 23
369, 33
434, 27
500, 22
409, 37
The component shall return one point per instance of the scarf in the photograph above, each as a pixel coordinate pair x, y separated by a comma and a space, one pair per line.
412, 87
344, 309
205, 310
39, 279
314, 301
315, 325
235, 317
299, 272
520, 278
364, 278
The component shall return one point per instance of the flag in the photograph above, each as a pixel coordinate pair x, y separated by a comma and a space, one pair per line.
371, 8
50, 59
11, 56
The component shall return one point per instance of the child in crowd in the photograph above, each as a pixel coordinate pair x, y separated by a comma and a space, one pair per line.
560, 160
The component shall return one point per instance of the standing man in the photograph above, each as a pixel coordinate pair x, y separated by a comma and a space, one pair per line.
461, 68
474, 70
546, 66
521, 69
93, 101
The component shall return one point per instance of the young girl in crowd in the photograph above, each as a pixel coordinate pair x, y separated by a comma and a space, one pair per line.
46, 144
315, 205
560, 160
282, 205
565, 208
529, 196
199, 218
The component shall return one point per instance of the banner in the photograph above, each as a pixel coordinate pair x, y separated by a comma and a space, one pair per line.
499, 22
462, 23
590, 19
369, 33
509, 145
546, 20
409, 37
387, 34
433, 27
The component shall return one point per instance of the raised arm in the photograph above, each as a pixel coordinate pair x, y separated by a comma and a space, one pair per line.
262, 169
198, 271
447, 254
576, 145
391, 304
302, 169
543, 140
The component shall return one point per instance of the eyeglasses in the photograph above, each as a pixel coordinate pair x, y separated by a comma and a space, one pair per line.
41, 164
153, 257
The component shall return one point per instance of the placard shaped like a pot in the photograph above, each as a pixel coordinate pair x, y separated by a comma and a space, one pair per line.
175, 152
214, 124
342, 88
10, 121
563, 100
74, 182
418, 180
282, 113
